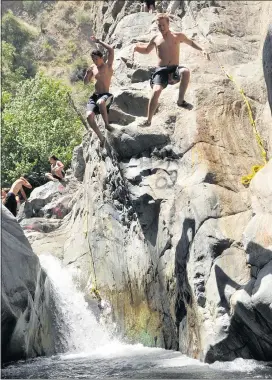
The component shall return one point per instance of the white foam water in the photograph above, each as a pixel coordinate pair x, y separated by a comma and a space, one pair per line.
238, 365
84, 332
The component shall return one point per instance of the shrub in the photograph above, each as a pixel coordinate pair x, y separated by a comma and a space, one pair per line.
71, 47
32, 7
16, 46
78, 70
15, 32
10, 74
37, 122
82, 17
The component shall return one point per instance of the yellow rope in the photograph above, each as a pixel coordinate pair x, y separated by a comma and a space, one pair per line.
245, 180
254, 169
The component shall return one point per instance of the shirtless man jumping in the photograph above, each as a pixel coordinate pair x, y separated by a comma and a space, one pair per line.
167, 45
101, 99
10, 200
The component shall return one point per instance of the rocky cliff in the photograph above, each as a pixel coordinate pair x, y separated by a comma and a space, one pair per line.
28, 314
162, 226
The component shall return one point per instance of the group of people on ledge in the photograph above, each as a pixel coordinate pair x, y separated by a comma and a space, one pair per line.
10, 197
168, 71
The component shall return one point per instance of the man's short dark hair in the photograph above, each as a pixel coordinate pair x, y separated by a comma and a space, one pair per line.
97, 53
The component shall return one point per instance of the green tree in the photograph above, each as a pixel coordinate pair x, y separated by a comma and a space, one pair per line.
37, 123
16, 41
10, 74
15, 32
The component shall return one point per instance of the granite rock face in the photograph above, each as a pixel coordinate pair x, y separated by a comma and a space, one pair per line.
162, 224
28, 318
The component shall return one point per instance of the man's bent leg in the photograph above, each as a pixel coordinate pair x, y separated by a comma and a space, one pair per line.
49, 176
185, 73
92, 123
104, 113
153, 102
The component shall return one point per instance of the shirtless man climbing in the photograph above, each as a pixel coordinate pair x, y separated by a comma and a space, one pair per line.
167, 45
101, 99
10, 200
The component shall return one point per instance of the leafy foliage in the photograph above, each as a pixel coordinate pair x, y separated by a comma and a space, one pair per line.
11, 74
15, 32
17, 55
32, 7
37, 123
82, 17
78, 69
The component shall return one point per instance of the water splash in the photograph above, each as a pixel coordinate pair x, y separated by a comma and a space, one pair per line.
78, 323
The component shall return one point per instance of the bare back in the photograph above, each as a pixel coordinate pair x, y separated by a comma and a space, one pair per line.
18, 186
167, 48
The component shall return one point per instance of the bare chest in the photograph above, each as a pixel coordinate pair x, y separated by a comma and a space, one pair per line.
102, 72
168, 45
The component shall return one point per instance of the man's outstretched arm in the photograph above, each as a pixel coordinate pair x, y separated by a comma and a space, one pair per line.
194, 45
144, 48
106, 46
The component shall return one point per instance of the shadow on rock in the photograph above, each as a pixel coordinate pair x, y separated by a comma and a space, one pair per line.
148, 211
184, 291
249, 332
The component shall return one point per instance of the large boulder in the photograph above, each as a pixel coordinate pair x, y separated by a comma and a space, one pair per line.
27, 308
42, 195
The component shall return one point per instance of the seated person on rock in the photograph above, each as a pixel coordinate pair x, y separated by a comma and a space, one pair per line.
167, 45
101, 99
57, 172
10, 201
148, 6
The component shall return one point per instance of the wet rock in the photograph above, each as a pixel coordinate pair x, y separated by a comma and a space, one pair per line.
27, 324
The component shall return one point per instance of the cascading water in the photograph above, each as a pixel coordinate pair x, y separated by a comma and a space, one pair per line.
77, 323
91, 353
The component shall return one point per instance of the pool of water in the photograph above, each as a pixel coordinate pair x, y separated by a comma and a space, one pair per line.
121, 361
92, 353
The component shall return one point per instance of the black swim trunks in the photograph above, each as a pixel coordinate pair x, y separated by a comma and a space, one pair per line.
11, 203
57, 177
165, 75
149, 3
92, 105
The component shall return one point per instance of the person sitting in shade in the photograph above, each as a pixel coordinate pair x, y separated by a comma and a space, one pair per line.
10, 201
57, 172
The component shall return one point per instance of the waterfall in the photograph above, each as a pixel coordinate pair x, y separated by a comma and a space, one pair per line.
76, 322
